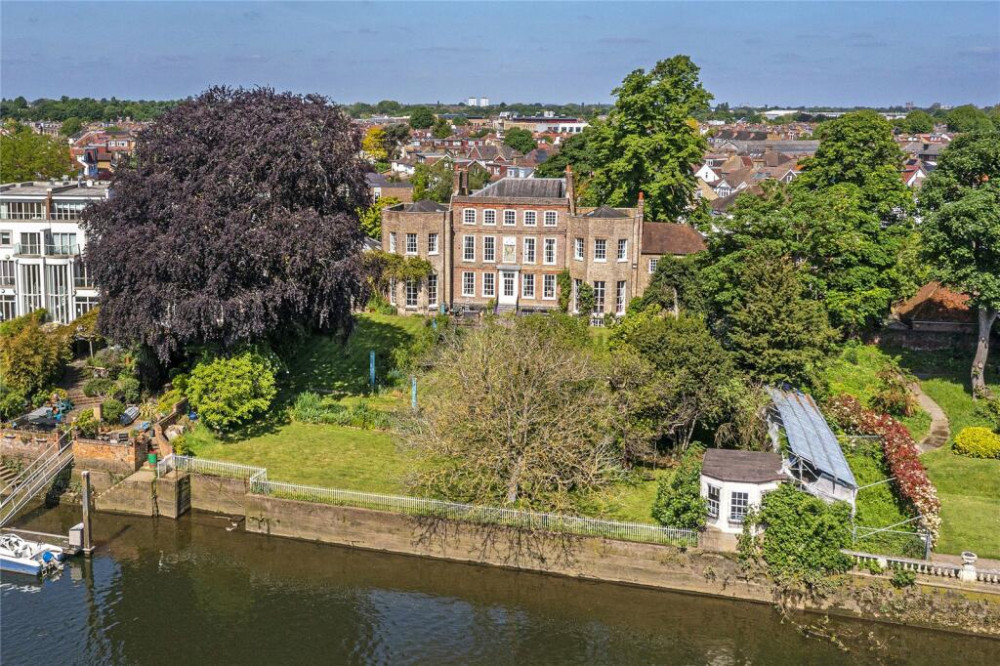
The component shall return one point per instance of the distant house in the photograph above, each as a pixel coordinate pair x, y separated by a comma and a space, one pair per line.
734, 481
935, 309
381, 186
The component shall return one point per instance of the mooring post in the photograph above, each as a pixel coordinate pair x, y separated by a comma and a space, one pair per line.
87, 547
371, 368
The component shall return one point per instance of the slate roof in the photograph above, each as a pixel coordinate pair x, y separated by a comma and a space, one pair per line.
606, 212
525, 188
669, 238
742, 466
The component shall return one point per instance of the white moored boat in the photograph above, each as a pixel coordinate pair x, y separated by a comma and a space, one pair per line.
18, 555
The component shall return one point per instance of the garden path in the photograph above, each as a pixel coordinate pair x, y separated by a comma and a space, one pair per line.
940, 429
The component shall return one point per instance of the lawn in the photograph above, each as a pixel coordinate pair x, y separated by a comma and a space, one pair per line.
329, 455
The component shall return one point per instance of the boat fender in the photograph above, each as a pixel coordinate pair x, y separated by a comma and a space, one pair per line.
47, 557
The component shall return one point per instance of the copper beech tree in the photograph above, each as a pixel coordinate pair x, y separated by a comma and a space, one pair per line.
235, 222
515, 412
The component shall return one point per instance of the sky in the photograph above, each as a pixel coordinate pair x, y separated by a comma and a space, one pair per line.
785, 54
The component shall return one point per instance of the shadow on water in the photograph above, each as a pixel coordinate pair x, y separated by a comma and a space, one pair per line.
189, 591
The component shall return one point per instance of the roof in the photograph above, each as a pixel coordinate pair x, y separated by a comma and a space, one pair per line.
809, 435
424, 206
935, 302
606, 212
670, 238
525, 188
742, 466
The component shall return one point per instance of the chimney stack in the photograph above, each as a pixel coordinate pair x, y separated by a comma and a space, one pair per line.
570, 190
456, 186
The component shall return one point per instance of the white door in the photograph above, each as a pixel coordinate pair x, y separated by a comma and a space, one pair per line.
508, 288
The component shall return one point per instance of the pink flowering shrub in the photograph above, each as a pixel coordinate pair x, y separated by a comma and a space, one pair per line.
900, 452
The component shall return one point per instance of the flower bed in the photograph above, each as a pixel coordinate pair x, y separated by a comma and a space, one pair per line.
901, 455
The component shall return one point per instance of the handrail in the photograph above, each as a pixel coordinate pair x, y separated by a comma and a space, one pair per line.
43, 476
47, 454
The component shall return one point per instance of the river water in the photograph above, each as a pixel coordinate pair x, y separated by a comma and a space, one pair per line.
190, 592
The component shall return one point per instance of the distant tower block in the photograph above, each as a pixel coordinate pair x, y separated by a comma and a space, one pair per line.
472, 102
484, 101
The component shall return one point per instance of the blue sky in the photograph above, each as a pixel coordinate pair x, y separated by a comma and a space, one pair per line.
777, 53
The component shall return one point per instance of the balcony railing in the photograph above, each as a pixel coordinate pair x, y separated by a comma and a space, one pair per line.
38, 250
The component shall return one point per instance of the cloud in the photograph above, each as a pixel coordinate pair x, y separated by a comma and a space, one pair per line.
623, 41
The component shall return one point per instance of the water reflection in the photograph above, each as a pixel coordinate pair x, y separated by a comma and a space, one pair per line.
188, 591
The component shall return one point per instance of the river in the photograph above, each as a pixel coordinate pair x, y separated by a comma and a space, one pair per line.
159, 591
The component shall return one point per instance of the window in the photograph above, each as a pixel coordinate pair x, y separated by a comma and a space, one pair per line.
490, 217
622, 249
576, 295
432, 289
549, 287
432, 243
6, 238
31, 243
6, 273
599, 297
738, 506
469, 216
508, 284
530, 218
529, 250
713, 501
392, 242
468, 284
600, 249
468, 248
411, 243
31, 287
489, 248
550, 218
510, 218
489, 285
392, 291
550, 251
82, 278
652, 265
411, 293
8, 307
22, 210
528, 285
578, 249
620, 297
63, 244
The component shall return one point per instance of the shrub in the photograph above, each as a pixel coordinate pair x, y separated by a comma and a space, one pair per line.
111, 411
12, 403
230, 391
181, 446
903, 578
678, 500
86, 424
990, 410
165, 405
98, 387
978, 442
894, 396
311, 408
129, 388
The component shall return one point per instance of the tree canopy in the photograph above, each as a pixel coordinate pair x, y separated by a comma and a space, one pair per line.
916, 122
421, 118
433, 181
968, 118
237, 220
374, 144
519, 139
26, 155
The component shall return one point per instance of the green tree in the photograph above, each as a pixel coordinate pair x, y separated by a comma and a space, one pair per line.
776, 333
521, 140
230, 391
916, 122
421, 117
678, 500
433, 181
650, 140
25, 155
968, 118
71, 126
371, 217
586, 299
676, 285
478, 176
31, 361
441, 129
395, 136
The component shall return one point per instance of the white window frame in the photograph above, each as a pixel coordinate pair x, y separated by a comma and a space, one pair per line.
738, 499
510, 214
528, 279
554, 217
10, 238
490, 213
432, 290
468, 247
622, 249
578, 249
532, 257
530, 215
601, 249
432, 244
714, 503
411, 286
491, 256
412, 246
392, 242
466, 275
392, 291
652, 265
489, 285
549, 281
545, 252
621, 296
600, 296
469, 216
576, 294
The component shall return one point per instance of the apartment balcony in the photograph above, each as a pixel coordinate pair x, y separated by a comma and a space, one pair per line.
40, 250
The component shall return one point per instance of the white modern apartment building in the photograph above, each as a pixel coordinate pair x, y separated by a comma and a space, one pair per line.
41, 245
